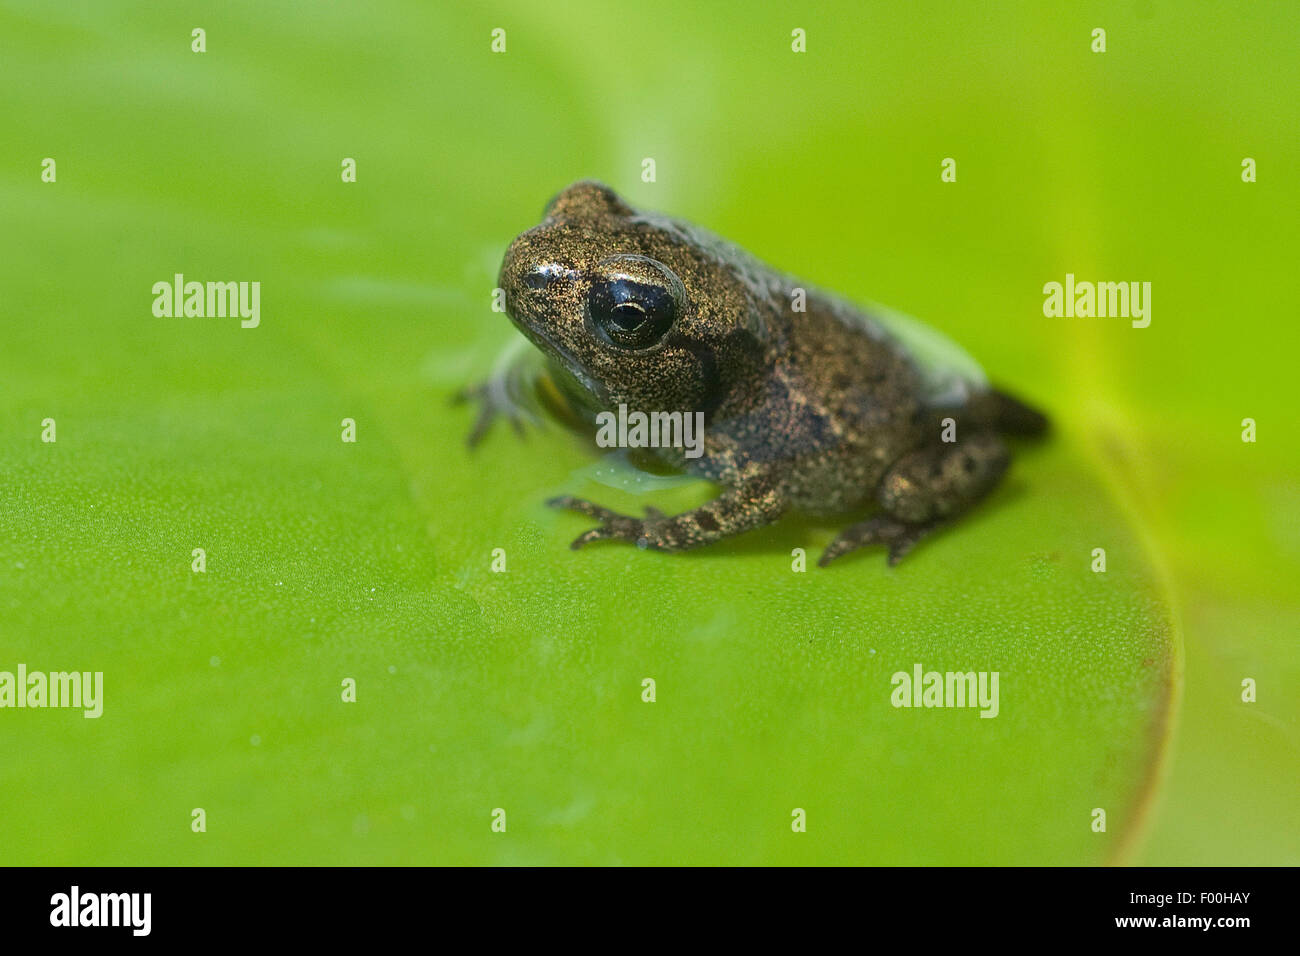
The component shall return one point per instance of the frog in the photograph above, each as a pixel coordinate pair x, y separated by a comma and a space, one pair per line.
811, 404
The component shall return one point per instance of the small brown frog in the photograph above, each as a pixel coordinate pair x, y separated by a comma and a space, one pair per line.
809, 404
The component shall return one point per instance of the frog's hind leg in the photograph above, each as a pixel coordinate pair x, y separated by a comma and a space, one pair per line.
899, 536
923, 491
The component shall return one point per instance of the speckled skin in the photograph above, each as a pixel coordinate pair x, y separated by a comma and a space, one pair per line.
821, 411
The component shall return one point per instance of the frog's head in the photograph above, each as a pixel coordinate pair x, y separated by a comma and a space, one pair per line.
637, 308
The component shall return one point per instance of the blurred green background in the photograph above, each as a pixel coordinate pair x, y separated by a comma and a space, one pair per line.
523, 690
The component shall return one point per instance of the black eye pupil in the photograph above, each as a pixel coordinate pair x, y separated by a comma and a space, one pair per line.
631, 314
628, 316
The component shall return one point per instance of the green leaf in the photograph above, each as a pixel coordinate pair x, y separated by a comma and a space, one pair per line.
328, 560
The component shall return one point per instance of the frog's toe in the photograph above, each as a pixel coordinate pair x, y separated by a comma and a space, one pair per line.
481, 425
611, 532
875, 530
906, 541
613, 525
494, 400
486, 416
487, 411
582, 506
899, 536
471, 390
595, 534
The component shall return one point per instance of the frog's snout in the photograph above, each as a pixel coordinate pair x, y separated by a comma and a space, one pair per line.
515, 283
533, 283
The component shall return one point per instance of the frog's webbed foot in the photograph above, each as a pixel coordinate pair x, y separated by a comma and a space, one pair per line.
899, 536
494, 401
752, 503
613, 525
924, 490
505, 394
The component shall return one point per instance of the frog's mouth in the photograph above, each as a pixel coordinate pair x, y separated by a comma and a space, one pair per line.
566, 364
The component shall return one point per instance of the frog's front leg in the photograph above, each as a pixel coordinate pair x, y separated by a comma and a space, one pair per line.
923, 491
497, 397
507, 392
750, 504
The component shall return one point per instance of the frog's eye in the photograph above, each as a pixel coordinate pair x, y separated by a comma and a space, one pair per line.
633, 301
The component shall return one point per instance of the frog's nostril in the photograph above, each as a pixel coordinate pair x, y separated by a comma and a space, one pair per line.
546, 274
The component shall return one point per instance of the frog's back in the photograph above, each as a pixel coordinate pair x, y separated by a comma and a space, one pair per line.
945, 378
868, 375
